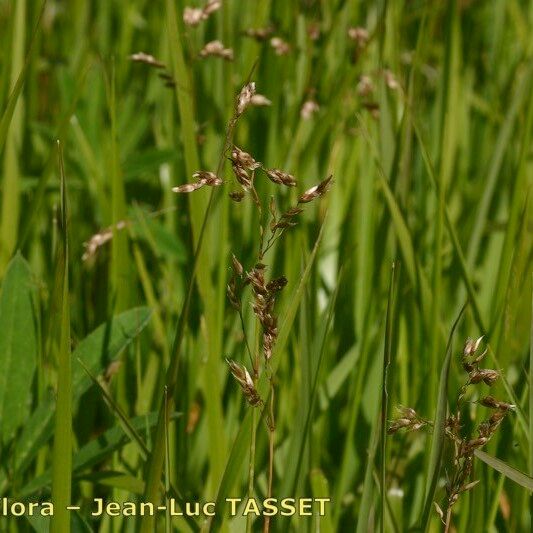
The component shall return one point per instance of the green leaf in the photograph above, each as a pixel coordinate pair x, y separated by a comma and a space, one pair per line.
102, 346
63, 437
18, 346
304, 414
93, 452
320, 489
437, 442
7, 115
508, 471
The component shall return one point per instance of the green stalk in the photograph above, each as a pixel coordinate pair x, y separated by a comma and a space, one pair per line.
62, 450
11, 182
387, 353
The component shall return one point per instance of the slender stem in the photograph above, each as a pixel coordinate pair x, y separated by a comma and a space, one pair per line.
251, 470
271, 430
448, 523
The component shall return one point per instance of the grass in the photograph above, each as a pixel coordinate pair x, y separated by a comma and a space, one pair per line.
114, 377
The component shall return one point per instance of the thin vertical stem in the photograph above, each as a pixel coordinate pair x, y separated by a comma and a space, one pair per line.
271, 430
251, 469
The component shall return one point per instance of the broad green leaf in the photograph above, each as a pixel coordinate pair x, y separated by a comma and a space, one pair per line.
18, 346
100, 347
93, 452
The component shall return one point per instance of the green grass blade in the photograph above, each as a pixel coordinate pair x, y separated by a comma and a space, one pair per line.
530, 375
505, 469
7, 115
437, 440
295, 456
320, 489
387, 355
62, 450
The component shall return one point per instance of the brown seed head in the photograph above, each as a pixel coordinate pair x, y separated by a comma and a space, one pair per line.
147, 59
259, 34
217, 49
309, 108
242, 176
236, 196
237, 267
241, 374
208, 178
359, 35
365, 86
192, 16
280, 46
188, 187
260, 100
316, 191
244, 159
471, 346
281, 178
245, 97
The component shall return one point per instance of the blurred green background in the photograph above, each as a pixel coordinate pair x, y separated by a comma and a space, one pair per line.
421, 111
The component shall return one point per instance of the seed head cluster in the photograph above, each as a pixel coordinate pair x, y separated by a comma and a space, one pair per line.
464, 445
192, 16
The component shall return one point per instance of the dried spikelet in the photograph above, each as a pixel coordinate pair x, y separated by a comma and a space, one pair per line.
390, 80
408, 420
188, 187
277, 284
260, 100
203, 177
259, 34
280, 46
263, 304
192, 16
99, 239
492, 403
359, 35
365, 86
471, 346
241, 374
236, 196
147, 59
237, 267
216, 49
208, 178
231, 293
245, 97
212, 6
309, 108
313, 31
315, 192
243, 159
486, 375
280, 177
242, 176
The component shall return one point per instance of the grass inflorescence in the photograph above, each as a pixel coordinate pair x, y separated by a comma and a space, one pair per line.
197, 301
